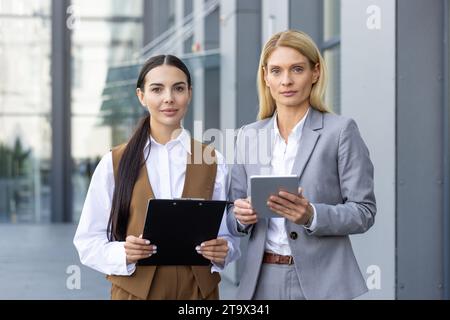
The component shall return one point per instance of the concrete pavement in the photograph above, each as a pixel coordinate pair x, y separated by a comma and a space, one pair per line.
40, 262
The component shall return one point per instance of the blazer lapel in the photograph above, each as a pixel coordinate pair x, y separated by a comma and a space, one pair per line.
308, 141
266, 138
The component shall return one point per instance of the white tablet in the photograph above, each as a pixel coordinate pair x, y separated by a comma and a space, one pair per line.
262, 187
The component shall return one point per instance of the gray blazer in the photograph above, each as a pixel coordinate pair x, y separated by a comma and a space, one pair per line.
337, 177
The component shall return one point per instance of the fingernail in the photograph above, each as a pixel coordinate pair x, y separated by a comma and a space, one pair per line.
150, 254
155, 247
202, 245
197, 248
147, 241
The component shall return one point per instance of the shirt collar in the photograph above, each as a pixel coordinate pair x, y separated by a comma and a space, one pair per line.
183, 138
296, 131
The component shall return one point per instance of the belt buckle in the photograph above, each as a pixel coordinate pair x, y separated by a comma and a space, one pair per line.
291, 260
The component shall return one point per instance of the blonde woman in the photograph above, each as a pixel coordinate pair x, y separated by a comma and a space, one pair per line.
305, 253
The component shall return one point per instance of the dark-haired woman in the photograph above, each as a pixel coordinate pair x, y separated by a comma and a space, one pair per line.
159, 161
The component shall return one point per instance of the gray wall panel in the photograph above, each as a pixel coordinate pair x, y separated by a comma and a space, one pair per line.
419, 149
61, 173
368, 96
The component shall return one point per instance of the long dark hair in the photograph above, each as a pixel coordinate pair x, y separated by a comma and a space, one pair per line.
133, 156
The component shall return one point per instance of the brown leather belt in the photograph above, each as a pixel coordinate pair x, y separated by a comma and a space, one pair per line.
274, 258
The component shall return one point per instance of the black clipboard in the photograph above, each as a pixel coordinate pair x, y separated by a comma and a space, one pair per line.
177, 226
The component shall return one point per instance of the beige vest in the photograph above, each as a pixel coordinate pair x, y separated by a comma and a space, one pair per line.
199, 183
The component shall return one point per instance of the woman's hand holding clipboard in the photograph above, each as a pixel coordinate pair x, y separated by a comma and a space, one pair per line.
138, 248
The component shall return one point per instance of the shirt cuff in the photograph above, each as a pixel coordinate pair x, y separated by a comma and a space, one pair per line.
313, 225
243, 228
131, 268
118, 252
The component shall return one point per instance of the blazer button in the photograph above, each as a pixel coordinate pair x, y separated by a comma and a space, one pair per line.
293, 235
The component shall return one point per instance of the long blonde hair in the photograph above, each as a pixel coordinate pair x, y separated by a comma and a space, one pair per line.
303, 43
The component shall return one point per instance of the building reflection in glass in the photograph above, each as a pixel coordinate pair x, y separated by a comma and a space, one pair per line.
25, 131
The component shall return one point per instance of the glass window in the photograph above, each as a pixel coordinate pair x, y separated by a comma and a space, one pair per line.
97, 46
25, 7
171, 12
333, 93
105, 108
108, 8
25, 104
331, 19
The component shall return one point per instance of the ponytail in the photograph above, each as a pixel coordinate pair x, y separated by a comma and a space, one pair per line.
129, 167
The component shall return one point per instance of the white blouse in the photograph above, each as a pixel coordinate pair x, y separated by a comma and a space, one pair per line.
282, 162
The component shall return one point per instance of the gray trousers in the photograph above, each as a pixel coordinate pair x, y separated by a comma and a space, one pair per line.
278, 282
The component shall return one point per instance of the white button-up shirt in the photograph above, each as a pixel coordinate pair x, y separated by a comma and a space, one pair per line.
166, 167
283, 157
